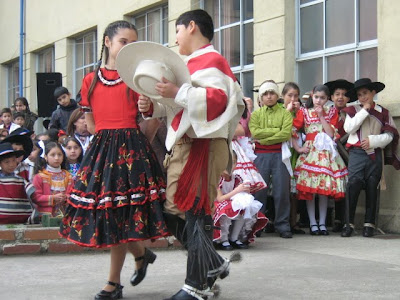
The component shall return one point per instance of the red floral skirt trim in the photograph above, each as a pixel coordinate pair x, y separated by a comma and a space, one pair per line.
307, 193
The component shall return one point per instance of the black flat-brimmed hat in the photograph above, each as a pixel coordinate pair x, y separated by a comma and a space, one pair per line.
364, 83
21, 136
339, 84
6, 148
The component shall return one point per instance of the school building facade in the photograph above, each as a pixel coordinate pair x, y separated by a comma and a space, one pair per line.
306, 41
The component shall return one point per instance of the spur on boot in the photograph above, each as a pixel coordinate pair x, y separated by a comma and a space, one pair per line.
347, 231
115, 294
314, 229
368, 231
148, 258
239, 245
323, 230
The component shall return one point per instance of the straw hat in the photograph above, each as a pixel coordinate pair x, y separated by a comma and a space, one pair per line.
141, 66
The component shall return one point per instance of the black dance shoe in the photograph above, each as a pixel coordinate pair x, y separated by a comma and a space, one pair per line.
347, 231
227, 247
323, 231
148, 258
238, 245
314, 232
368, 231
115, 294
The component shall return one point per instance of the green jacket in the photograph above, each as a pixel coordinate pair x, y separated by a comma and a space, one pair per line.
271, 125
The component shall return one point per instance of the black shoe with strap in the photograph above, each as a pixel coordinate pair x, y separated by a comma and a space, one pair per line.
323, 231
148, 258
115, 294
314, 232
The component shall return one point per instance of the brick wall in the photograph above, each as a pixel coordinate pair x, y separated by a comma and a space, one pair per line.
40, 240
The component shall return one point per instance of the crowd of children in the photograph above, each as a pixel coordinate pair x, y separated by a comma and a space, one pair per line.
42, 167
302, 151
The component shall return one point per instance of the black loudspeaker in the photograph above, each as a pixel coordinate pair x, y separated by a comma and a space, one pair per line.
46, 84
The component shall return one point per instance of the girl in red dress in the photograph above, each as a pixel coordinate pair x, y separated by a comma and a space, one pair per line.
117, 198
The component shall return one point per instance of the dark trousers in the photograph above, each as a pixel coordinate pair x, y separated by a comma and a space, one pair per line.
272, 169
364, 173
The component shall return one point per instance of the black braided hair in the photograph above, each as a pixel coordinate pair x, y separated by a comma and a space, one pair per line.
110, 31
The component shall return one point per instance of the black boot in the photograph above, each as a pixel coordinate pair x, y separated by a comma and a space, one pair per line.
189, 293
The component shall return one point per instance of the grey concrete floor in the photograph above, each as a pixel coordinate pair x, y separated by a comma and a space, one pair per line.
305, 267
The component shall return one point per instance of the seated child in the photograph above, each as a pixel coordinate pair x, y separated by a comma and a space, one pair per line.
51, 181
235, 203
15, 192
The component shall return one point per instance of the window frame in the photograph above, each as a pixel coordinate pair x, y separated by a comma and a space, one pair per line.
242, 68
161, 9
325, 53
12, 91
75, 69
44, 52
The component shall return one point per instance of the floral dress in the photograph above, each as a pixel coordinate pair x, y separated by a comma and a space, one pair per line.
318, 171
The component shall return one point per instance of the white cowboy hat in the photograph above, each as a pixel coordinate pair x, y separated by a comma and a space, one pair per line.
141, 65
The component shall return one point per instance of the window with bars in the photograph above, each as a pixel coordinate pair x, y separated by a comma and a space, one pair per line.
45, 61
85, 52
12, 82
153, 25
233, 37
335, 39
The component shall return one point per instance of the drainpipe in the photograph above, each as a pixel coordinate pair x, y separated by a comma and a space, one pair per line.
21, 49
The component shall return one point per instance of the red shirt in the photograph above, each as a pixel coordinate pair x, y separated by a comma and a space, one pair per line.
110, 104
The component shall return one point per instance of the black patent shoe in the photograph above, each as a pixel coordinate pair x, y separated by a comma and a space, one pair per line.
368, 231
323, 231
181, 295
238, 245
148, 258
115, 294
314, 232
227, 247
347, 231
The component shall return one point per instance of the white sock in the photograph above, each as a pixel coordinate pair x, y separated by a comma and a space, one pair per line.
323, 208
225, 243
236, 228
311, 214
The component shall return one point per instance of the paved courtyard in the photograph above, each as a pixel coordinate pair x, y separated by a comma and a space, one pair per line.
305, 267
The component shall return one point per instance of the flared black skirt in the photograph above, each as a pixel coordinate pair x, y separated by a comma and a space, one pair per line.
118, 193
